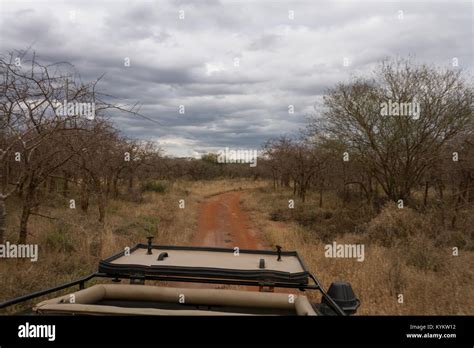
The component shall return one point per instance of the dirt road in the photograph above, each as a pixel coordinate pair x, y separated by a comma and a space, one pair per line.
222, 223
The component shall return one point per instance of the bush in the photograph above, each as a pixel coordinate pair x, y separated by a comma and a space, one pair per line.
144, 226
59, 239
394, 226
279, 215
422, 253
95, 246
155, 186
135, 196
450, 238
411, 235
324, 223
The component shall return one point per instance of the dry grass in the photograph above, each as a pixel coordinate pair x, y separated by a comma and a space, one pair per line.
71, 247
432, 281
421, 267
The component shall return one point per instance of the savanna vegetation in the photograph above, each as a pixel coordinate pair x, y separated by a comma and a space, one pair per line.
402, 186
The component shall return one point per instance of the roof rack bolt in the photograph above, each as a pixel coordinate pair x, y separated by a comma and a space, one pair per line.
149, 245
279, 252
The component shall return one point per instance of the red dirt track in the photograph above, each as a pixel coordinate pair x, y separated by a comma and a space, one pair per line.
223, 224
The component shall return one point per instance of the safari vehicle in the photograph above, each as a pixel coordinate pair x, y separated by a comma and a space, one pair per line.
267, 270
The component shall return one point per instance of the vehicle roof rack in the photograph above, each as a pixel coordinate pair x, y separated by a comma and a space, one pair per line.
207, 262
263, 268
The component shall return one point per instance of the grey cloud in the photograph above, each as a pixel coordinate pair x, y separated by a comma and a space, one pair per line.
191, 61
265, 41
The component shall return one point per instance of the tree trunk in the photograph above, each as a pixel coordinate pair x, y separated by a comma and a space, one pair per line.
370, 190
458, 204
101, 199
52, 185
286, 180
115, 187
66, 185
441, 196
130, 183
107, 185
303, 186
25, 215
84, 196
3, 216
321, 187
425, 195
101, 204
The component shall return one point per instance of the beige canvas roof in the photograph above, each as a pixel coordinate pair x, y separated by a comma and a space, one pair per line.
211, 259
86, 301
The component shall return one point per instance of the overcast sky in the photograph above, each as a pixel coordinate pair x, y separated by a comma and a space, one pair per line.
236, 66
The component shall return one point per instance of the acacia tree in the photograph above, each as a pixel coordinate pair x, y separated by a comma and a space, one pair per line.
33, 131
277, 152
38, 133
398, 150
460, 172
299, 161
307, 165
95, 153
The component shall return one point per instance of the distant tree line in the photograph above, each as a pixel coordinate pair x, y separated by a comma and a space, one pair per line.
350, 146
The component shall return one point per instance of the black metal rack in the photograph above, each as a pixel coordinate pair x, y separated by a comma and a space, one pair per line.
207, 278
262, 274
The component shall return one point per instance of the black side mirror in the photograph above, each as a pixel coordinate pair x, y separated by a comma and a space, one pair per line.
343, 295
